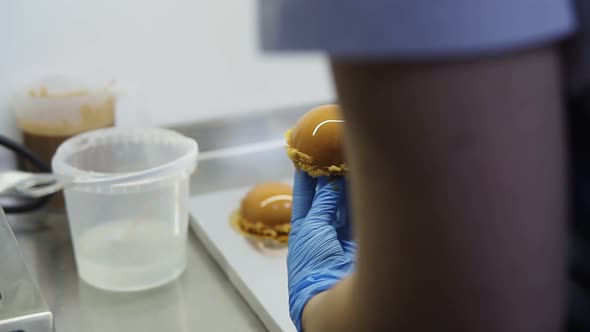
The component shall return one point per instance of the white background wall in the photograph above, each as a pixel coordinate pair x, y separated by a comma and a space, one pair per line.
180, 60
184, 60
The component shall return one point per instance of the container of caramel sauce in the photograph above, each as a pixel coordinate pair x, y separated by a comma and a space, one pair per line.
54, 109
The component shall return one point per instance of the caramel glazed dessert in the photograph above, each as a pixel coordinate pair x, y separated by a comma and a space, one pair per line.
265, 212
315, 142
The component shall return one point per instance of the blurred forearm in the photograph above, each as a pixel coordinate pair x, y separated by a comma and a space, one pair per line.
458, 194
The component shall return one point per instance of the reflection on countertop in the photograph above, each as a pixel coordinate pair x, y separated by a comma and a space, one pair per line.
201, 299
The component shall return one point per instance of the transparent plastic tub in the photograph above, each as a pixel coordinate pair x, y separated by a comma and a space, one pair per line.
127, 208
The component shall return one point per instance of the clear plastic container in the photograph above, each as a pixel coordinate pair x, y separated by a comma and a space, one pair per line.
127, 208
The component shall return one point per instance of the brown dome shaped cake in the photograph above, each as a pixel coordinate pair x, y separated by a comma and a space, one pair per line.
265, 212
315, 142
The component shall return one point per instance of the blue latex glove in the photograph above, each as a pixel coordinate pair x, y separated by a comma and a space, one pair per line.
319, 254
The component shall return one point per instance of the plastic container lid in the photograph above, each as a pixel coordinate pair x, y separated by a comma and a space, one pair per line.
122, 159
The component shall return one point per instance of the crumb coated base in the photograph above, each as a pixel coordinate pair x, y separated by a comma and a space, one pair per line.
304, 162
258, 230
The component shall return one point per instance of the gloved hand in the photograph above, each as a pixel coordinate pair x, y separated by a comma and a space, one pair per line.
319, 254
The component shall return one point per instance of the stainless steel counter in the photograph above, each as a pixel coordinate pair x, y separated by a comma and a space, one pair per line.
22, 307
202, 299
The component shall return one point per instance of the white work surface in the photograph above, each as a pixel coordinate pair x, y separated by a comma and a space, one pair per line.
260, 275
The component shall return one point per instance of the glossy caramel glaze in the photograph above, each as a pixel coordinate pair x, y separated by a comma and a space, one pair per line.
268, 203
315, 142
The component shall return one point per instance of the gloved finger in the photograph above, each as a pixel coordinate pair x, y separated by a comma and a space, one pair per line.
342, 225
327, 199
304, 189
349, 248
